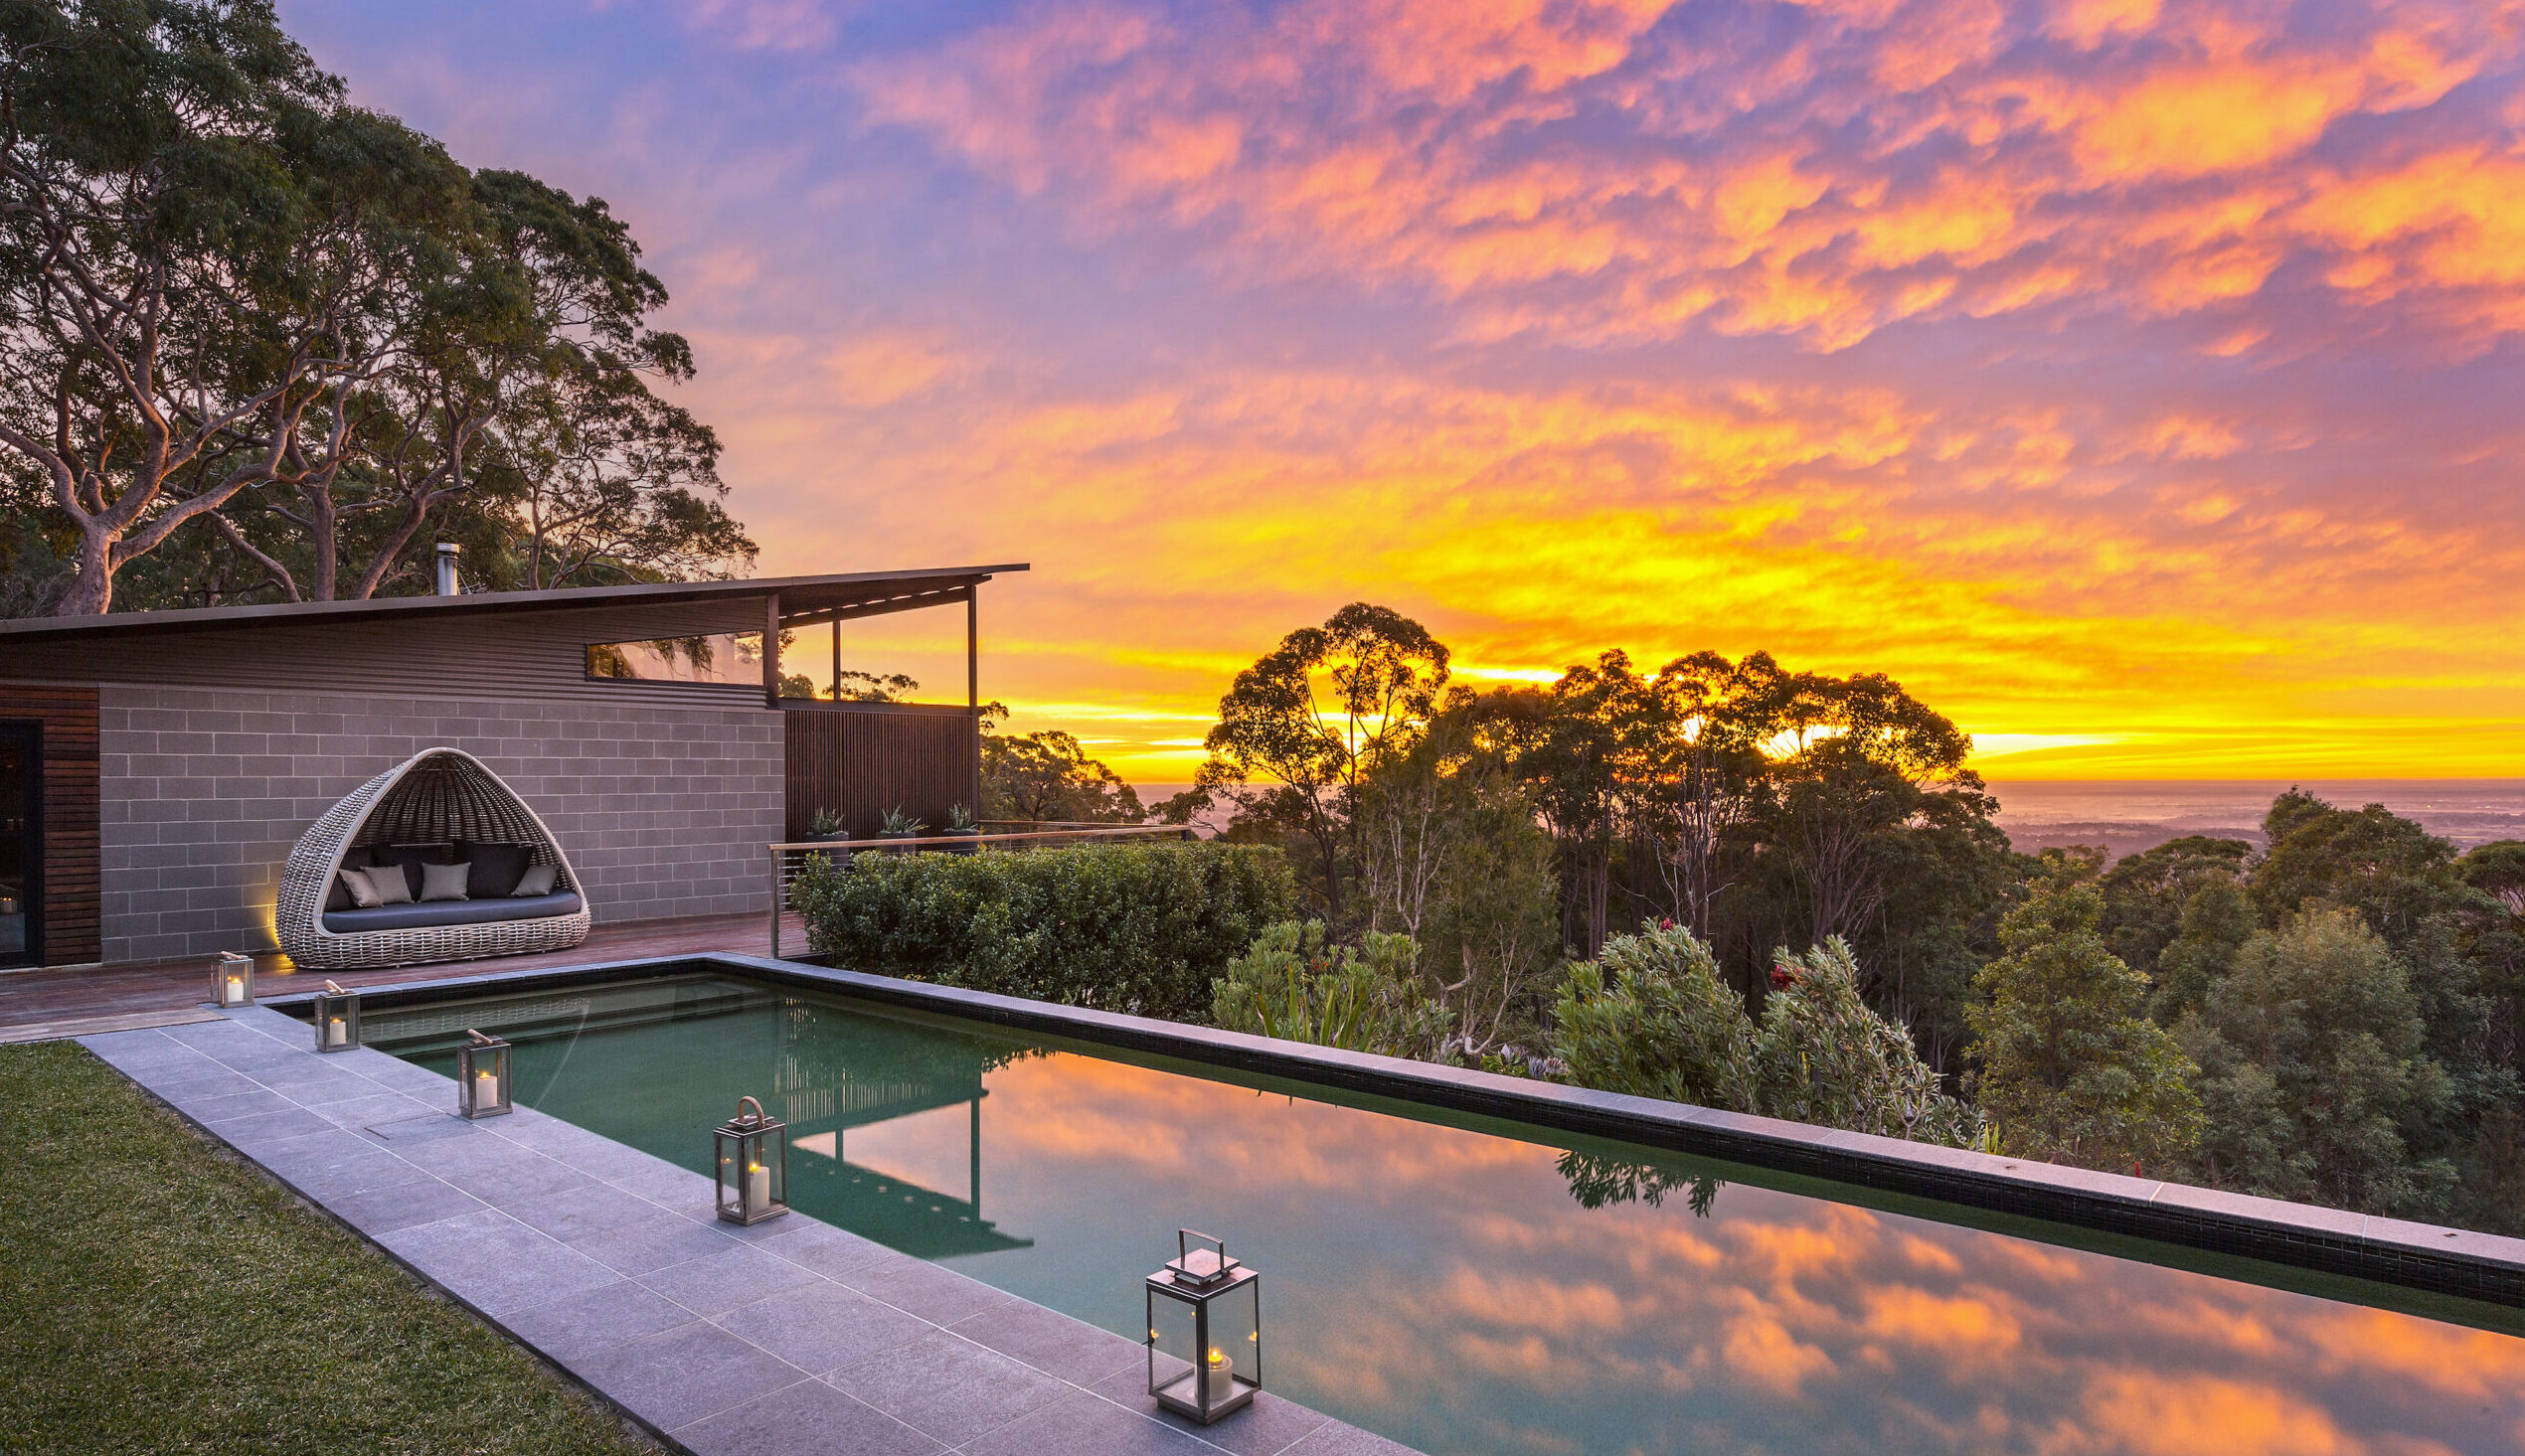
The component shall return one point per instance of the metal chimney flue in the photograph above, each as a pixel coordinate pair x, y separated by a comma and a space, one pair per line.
447, 583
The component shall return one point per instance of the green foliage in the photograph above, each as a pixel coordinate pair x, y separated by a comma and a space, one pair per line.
1652, 1017
1048, 777
1824, 1057
900, 825
1292, 985
2072, 1068
157, 1296
2146, 895
1142, 929
2216, 921
2315, 1072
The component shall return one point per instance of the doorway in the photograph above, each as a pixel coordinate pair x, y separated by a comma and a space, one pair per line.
21, 843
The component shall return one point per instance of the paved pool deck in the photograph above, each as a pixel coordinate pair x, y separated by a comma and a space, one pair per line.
787, 1339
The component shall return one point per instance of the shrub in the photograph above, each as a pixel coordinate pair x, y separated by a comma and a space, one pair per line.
1142, 929
1292, 986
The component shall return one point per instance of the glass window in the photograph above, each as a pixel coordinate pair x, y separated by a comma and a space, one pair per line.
21, 941
732, 659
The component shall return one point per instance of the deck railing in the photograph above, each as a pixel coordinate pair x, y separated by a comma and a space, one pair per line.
789, 858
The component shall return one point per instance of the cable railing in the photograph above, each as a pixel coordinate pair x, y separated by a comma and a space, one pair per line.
789, 859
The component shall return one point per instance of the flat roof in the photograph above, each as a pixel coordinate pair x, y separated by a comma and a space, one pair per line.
855, 593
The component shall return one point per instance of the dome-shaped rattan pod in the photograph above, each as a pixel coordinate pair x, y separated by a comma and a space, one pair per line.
437, 796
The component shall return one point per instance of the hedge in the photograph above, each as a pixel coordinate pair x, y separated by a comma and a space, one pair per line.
1133, 927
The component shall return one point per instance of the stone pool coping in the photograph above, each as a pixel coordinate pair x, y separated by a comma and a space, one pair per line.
787, 1337
2393, 1252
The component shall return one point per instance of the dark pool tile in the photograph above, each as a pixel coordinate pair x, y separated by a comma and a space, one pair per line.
578, 1326
1336, 1439
1267, 1426
1082, 1424
578, 1212
401, 1206
680, 1376
718, 1282
825, 1248
2271, 1215
1052, 1342
819, 1326
809, 1418
916, 1286
497, 1263
653, 1243
950, 1388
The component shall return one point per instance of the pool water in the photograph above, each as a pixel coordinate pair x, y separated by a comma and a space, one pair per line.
1485, 1289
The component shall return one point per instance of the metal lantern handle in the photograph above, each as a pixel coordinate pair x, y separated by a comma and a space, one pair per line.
481, 1039
1183, 1243
759, 1115
332, 989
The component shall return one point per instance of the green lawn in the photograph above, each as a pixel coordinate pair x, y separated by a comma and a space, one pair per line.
156, 1296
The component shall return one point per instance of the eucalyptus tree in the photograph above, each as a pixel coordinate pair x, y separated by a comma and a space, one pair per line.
182, 272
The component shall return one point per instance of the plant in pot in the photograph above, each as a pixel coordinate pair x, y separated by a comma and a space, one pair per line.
961, 824
900, 825
825, 825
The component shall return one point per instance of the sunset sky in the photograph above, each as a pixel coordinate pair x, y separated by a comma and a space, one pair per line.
2136, 382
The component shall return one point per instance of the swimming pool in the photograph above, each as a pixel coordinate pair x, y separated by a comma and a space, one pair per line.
1465, 1285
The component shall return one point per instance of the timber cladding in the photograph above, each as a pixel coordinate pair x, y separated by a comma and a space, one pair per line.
860, 759
71, 899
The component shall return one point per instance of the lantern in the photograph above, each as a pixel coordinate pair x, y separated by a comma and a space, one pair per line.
232, 980
482, 1077
1205, 1331
337, 1019
753, 1165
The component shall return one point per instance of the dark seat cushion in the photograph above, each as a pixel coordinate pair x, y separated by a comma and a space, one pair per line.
496, 868
411, 857
452, 913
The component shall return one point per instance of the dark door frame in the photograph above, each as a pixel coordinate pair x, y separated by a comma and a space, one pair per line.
31, 733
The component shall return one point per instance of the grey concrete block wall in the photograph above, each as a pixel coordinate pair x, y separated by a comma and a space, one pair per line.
663, 811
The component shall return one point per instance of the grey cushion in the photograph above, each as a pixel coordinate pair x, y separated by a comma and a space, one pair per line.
443, 881
452, 913
496, 867
538, 880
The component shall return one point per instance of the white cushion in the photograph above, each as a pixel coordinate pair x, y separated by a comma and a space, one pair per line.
363, 892
538, 879
443, 881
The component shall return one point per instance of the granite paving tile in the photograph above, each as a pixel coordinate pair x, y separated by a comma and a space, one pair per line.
916, 1286
718, 1282
401, 1206
1082, 1424
312, 1082
1052, 1342
1267, 1426
950, 1388
673, 1188
264, 1129
653, 1243
809, 1418
825, 1248
529, 1177
1338, 1439
582, 1210
580, 1325
248, 1103
495, 1263
682, 1375
400, 1075
818, 1326
363, 1111
185, 1093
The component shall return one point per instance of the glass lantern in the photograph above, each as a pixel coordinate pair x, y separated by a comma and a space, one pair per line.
482, 1077
232, 980
753, 1165
337, 1019
1205, 1331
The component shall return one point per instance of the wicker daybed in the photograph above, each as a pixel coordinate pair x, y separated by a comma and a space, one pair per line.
438, 797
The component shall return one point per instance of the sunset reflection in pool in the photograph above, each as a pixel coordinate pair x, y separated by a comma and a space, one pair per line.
1442, 1284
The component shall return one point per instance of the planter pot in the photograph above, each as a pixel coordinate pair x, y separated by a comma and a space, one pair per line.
972, 842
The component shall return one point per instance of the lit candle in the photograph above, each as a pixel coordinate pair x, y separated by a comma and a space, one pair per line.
486, 1089
335, 1032
235, 992
1219, 1380
757, 1187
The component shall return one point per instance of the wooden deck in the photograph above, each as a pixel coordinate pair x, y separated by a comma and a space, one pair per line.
38, 1004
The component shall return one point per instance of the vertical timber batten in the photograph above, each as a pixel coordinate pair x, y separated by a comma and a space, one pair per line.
771, 650
973, 684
